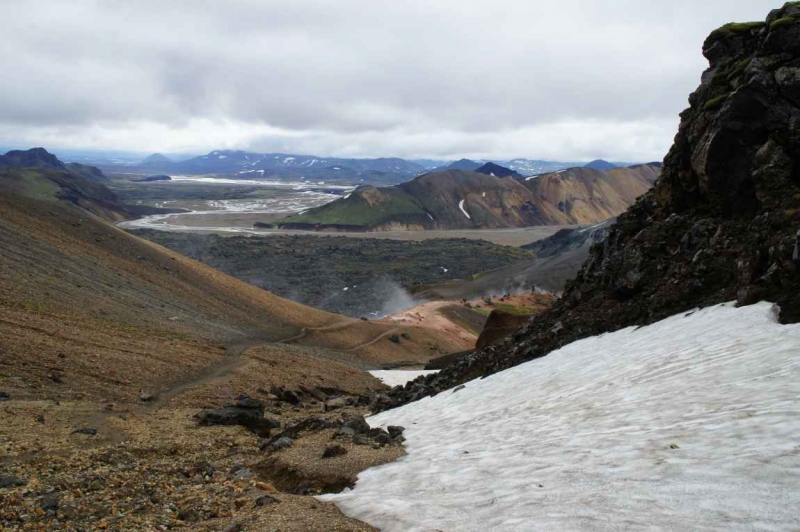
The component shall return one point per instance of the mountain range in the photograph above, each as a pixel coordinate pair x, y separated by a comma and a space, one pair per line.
388, 170
464, 199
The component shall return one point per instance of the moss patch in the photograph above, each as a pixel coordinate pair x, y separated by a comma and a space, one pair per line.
732, 29
715, 103
782, 22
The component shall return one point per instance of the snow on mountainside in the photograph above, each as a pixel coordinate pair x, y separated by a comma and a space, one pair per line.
689, 423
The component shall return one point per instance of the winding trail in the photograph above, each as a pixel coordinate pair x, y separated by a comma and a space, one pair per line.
233, 360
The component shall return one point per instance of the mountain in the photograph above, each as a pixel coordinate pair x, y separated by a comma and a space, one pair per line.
288, 166
497, 170
587, 196
41, 158
529, 167
156, 159
600, 164
38, 174
460, 199
463, 164
720, 225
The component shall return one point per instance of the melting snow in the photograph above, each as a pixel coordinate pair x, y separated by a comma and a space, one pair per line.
398, 377
687, 424
429, 215
461, 206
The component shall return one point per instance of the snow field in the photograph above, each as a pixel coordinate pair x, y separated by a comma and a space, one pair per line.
398, 377
692, 423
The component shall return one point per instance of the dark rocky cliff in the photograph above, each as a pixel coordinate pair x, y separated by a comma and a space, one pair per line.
722, 222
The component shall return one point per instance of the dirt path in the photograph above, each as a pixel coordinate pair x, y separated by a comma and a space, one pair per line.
305, 330
374, 340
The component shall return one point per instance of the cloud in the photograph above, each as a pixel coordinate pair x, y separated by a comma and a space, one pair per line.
494, 78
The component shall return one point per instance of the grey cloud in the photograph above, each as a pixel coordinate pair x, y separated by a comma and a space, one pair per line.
358, 77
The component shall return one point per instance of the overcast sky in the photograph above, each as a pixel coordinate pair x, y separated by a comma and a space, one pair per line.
554, 79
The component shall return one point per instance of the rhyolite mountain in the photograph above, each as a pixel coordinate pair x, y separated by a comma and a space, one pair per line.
721, 224
40, 175
461, 199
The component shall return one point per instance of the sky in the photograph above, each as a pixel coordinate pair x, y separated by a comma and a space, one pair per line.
491, 79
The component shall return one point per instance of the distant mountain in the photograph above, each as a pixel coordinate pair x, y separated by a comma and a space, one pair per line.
429, 164
385, 170
497, 170
528, 167
156, 159
460, 199
600, 164
463, 164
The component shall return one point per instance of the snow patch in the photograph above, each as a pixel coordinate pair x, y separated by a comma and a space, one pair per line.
690, 423
398, 377
461, 206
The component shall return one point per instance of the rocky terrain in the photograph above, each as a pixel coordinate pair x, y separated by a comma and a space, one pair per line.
721, 224
143, 390
356, 277
485, 198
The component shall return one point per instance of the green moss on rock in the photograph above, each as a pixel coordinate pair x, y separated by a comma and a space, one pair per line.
714, 103
733, 28
782, 22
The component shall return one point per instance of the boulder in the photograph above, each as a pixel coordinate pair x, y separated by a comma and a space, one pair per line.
246, 412
334, 450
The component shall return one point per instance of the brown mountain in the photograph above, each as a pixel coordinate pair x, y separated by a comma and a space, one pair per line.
461, 199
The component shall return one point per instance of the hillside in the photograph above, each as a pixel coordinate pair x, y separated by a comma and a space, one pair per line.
120, 359
40, 175
459, 199
42, 159
721, 223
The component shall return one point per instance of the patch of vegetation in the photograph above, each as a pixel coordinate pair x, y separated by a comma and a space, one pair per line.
782, 22
714, 103
732, 29
513, 309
